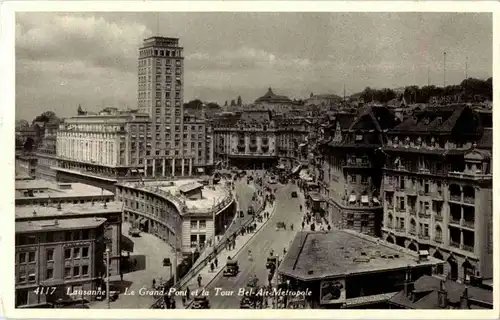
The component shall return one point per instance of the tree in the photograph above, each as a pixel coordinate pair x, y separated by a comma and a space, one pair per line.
233, 104
45, 117
22, 124
225, 104
28, 144
239, 103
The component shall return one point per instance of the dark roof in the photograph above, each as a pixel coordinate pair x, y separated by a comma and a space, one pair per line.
190, 187
430, 300
486, 141
440, 120
317, 255
271, 97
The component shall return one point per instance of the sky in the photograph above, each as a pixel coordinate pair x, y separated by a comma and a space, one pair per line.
67, 59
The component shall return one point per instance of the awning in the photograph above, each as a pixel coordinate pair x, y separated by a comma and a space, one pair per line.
302, 145
141, 170
375, 200
352, 198
201, 169
126, 244
296, 169
133, 170
364, 199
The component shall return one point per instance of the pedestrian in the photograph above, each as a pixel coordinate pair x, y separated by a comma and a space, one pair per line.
212, 267
199, 280
284, 251
188, 293
216, 262
121, 275
183, 300
329, 228
154, 283
303, 225
135, 263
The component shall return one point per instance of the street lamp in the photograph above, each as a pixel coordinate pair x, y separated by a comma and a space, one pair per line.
107, 277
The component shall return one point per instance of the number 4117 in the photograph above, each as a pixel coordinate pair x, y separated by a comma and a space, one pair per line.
45, 290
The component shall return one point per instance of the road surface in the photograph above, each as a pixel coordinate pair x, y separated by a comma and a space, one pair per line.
287, 210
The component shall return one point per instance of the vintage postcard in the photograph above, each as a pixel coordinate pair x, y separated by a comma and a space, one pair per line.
279, 159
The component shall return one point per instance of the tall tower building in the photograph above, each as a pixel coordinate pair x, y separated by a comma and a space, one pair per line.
160, 94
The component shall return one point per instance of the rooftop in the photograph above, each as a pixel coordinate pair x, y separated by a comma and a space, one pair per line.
48, 189
271, 97
429, 287
317, 255
55, 225
24, 212
210, 197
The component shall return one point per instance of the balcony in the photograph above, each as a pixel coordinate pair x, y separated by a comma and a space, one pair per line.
454, 220
388, 187
411, 192
467, 223
265, 148
438, 217
470, 175
423, 236
241, 148
468, 248
455, 244
389, 205
357, 163
469, 200
456, 198
412, 211
438, 195
438, 239
265, 141
399, 229
424, 215
252, 147
413, 232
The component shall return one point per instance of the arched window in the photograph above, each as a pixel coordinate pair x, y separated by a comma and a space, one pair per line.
413, 226
389, 220
439, 234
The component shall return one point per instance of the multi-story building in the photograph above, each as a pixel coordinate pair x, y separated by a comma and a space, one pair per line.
197, 145
70, 214
44, 192
437, 189
160, 95
111, 143
55, 256
46, 153
183, 213
349, 163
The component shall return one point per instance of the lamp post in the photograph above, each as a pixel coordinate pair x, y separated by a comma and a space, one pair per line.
107, 277
175, 260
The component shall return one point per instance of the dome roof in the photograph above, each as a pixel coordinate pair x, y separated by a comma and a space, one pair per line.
273, 98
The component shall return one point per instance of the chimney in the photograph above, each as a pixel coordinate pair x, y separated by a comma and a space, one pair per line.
56, 222
442, 296
105, 204
464, 299
59, 208
423, 255
34, 212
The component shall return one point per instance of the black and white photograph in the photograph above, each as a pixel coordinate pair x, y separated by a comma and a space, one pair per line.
252, 160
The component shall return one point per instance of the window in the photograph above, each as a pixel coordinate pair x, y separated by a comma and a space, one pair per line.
402, 223
67, 272
351, 179
85, 270
401, 182
194, 240
76, 271
67, 254
67, 235
364, 180
31, 256
401, 203
76, 253
85, 234
22, 275
50, 237
203, 224
359, 137
49, 273
194, 224
31, 277
50, 254
22, 257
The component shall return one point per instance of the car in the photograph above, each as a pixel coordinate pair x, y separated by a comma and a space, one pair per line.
201, 303
134, 232
272, 180
294, 194
231, 269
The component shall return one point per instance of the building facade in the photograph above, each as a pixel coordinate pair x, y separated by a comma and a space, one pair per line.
437, 189
183, 222
46, 153
349, 169
54, 257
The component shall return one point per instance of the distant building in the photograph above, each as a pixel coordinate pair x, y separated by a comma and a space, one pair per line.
47, 152
43, 192
323, 100
54, 256
275, 103
346, 269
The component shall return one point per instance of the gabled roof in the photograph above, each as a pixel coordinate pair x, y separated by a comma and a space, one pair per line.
486, 141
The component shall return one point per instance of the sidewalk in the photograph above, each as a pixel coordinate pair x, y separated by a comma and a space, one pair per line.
207, 275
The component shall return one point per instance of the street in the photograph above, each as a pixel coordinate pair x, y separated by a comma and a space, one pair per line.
149, 252
268, 239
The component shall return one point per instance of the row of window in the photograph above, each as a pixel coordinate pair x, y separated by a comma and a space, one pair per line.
198, 224
49, 237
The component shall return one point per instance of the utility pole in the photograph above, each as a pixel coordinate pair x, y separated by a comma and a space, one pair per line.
175, 260
107, 278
